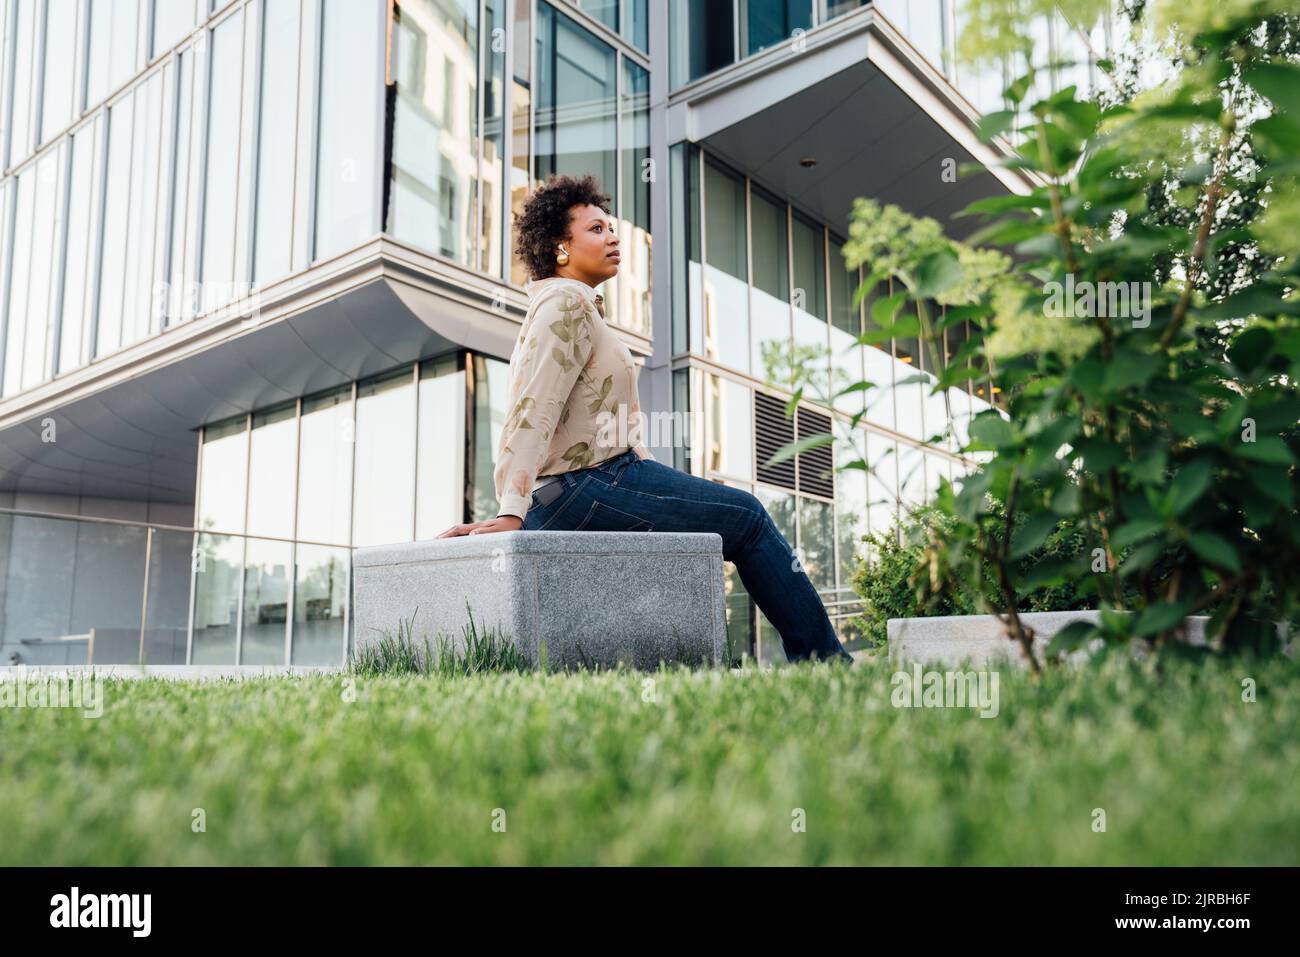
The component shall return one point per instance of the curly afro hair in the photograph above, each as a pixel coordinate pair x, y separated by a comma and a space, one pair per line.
544, 223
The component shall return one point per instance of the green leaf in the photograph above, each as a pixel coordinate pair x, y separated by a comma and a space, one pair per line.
989, 430
937, 273
1188, 486
1130, 369
1135, 531
994, 124
1214, 549
1032, 534
1268, 449
1071, 638
1251, 348
1280, 82
791, 449
1158, 618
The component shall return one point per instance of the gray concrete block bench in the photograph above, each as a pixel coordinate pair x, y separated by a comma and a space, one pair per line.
593, 599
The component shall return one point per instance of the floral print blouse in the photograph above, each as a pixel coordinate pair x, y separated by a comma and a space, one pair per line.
573, 392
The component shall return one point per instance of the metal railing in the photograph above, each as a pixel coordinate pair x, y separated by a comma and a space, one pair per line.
87, 590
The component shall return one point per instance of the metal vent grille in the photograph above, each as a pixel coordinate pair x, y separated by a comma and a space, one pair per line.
771, 431
816, 466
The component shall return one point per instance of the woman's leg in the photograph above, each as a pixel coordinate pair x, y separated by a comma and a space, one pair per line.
631, 494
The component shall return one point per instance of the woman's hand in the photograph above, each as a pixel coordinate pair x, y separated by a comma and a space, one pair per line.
502, 523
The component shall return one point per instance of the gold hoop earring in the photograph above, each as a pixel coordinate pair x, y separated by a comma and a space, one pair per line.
562, 258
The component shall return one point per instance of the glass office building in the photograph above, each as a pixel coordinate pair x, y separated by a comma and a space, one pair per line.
257, 295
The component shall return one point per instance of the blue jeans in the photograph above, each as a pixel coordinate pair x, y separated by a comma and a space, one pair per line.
629, 494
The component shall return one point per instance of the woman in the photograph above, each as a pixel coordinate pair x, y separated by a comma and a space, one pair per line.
567, 459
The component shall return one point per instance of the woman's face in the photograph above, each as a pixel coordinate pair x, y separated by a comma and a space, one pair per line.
593, 249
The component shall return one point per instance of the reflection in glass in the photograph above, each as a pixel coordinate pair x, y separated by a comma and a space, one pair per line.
850, 510
223, 476
271, 479
632, 301
267, 567
385, 461
325, 468
222, 169
780, 505
80, 248
575, 113
275, 141
46, 219
817, 543
172, 19
809, 305
726, 274
218, 561
491, 391
846, 354
20, 277
24, 56
139, 306
701, 39
768, 22
112, 46
882, 483
320, 605
349, 151
435, 132
440, 469
730, 425
60, 57
769, 305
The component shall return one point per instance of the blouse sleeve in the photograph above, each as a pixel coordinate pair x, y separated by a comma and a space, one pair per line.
549, 360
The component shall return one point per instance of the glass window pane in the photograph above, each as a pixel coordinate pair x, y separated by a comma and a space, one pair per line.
770, 309
817, 543
60, 58
575, 100
223, 477
726, 286
435, 134
275, 142
781, 506
440, 497
850, 509
768, 22
222, 162
729, 425
113, 36
46, 229
218, 565
606, 11
21, 90
491, 394
325, 468
138, 302
273, 445
266, 602
385, 461
172, 19
492, 173
351, 85
180, 302
702, 39
636, 23
81, 248
724, 221
633, 299
320, 605
882, 482
20, 279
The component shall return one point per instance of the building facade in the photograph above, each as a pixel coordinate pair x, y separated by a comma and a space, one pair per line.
257, 295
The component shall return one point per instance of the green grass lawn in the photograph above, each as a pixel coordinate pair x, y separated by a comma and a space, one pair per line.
702, 767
